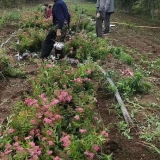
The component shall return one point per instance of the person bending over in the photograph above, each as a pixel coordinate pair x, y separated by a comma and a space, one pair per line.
61, 20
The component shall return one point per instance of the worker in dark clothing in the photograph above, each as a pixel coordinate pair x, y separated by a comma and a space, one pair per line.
61, 20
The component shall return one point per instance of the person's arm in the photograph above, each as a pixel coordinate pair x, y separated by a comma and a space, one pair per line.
107, 5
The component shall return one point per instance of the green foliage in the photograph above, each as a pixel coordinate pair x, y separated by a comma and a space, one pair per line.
84, 46
123, 127
11, 3
151, 131
11, 17
134, 84
7, 68
142, 7
119, 53
30, 39
34, 19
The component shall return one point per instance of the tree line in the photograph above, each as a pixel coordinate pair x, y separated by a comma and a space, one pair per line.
17, 3
150, 8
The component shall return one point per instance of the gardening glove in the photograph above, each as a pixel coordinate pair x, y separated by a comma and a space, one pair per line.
58, 32
98, 15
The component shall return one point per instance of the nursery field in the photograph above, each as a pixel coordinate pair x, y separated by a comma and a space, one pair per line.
69, 111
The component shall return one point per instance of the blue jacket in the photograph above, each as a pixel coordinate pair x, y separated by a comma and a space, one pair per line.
60, 14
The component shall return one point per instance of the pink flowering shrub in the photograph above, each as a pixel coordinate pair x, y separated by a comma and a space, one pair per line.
56, 120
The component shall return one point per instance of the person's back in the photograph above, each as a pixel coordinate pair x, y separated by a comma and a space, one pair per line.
60, 13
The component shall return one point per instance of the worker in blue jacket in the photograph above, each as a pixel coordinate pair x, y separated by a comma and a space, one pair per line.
61, 20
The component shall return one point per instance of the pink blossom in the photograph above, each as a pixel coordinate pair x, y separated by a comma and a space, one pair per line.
89, 71
30, 102
57, 117
105, 134
49, 65
20, 149
49, 114
39, 115
33, 121
50, 143
47, 121
79, 110
96, 148
31, 132
49, 132
42, 95
10, 131
32, 144
7, 152
76, 117
79, 80
15, 138
82, 130
8, 146
57, 158
44, 138
65, 140
54, 102
50, 152
2, 154
76, 61
16, 144
90, 154
128, 72
27, 138
64, 97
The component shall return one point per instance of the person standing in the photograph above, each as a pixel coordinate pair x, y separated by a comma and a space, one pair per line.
49, 12
61, 20
100, 17
109, 9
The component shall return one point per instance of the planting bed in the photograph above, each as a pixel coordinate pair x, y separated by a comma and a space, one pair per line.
138, 142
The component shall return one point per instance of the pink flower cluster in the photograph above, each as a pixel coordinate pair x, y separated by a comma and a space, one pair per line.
9, 148
64, 97
81, 80
76, 117
50, 65
128, 72
82, 130
105, 134
65, 140
96, 148
80, 110
57, 158
30, 102
89, 71
10, 131
89, 154
34, 151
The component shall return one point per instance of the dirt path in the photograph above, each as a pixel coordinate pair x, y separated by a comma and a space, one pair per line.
140, 43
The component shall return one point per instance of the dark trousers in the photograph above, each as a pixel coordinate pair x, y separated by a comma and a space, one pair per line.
48, 43
99, 22
107, 22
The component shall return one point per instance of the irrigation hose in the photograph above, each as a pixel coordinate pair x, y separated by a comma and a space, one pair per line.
118, 97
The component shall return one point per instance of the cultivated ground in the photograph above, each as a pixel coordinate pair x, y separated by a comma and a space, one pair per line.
143, 44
